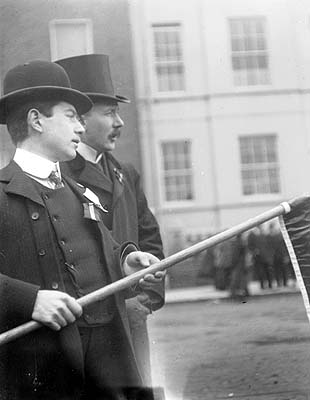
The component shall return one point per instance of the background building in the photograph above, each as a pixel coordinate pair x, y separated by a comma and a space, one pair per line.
221, 88
223, 91
54, 29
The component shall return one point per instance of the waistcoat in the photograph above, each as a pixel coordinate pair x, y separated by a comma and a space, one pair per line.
79, 251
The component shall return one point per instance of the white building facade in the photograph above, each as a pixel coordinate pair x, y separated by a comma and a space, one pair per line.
223, 92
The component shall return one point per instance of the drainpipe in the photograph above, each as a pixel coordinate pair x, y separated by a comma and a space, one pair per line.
147, 139
209, 119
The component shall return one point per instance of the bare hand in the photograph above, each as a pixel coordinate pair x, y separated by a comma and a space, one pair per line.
138, 260
149, 280
55, 309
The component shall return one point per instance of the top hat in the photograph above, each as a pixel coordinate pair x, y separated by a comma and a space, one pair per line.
39, 80
91, 74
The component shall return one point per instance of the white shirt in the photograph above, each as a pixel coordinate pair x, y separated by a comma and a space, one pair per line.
36, 167
89, 153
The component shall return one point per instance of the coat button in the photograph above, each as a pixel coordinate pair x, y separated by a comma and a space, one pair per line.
35, 216
55, 285
62, 242
42, 252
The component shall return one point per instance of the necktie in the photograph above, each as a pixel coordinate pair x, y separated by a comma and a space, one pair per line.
55, 179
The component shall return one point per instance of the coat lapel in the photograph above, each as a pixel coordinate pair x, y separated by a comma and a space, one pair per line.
88, 175
76, 188
93, 176
18, 183
117, 178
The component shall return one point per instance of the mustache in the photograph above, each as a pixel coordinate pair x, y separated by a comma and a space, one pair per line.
116, 133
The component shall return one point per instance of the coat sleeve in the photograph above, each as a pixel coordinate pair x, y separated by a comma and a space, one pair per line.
149, 240
17, 299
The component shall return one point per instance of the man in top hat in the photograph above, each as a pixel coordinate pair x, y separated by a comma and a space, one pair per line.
117, 184
54, 249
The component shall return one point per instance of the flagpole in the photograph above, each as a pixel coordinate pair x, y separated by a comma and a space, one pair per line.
164, 264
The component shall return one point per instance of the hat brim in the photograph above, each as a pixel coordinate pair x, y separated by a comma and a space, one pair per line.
9, 102
96, 97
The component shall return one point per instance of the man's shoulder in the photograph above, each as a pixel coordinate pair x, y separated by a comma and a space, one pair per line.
8, 171
72, 167
124, 166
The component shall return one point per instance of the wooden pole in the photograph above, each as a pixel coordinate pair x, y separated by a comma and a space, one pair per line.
166, 263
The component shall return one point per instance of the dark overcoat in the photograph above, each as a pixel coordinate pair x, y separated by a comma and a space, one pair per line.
131, 220
28, 262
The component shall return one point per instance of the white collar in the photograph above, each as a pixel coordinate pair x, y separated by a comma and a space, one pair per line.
89, 153
35, 165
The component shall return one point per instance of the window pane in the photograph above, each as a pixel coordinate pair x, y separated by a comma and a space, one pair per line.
249, 51
177, 172
259, 167
70, 38
169, 66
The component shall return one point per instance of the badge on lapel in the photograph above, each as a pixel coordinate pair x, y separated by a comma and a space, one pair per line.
90, 212
91, 208
119, 175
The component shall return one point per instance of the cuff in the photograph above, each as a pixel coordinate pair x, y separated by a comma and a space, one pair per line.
19, 298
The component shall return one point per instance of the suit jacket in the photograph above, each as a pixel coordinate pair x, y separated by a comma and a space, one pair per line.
28, 263
132, 219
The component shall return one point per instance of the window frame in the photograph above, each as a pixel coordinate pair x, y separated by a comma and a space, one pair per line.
179, 29
263, 166
259, 72
163, 174
70, 21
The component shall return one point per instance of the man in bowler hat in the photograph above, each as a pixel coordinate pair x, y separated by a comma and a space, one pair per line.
54, 249
117, 184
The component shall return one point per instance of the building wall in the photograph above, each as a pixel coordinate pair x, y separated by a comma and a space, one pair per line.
213, 112
25, 36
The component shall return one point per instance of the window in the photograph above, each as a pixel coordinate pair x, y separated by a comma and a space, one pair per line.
70, 37
259, 164
250, 61
177, 170
169, 67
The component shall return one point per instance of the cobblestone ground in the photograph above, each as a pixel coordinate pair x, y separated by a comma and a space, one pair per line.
259, 350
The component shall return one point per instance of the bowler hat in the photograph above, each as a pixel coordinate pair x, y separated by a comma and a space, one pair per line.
91, 74
36, 81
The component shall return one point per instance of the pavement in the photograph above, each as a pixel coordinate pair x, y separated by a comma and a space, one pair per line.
209, 292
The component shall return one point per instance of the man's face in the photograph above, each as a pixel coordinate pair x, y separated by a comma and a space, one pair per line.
61, 133
103, 126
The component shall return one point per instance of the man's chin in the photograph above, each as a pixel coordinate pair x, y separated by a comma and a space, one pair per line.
69, 156
109, 147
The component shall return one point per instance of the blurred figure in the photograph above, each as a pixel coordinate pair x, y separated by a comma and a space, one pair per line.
223, 254
239, 275
262, 256
207, 266
280, 255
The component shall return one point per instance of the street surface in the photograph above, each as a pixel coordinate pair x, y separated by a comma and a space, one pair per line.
259, 350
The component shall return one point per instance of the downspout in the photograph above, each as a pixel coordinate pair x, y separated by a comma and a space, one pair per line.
209, 119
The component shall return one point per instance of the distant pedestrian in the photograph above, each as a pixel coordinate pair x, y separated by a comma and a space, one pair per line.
207, 265
262, 256
280, 256
223, 264
239, 275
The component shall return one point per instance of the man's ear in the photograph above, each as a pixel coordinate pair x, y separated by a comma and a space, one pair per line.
34, 120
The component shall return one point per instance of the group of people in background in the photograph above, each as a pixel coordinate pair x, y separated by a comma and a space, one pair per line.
258, 255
